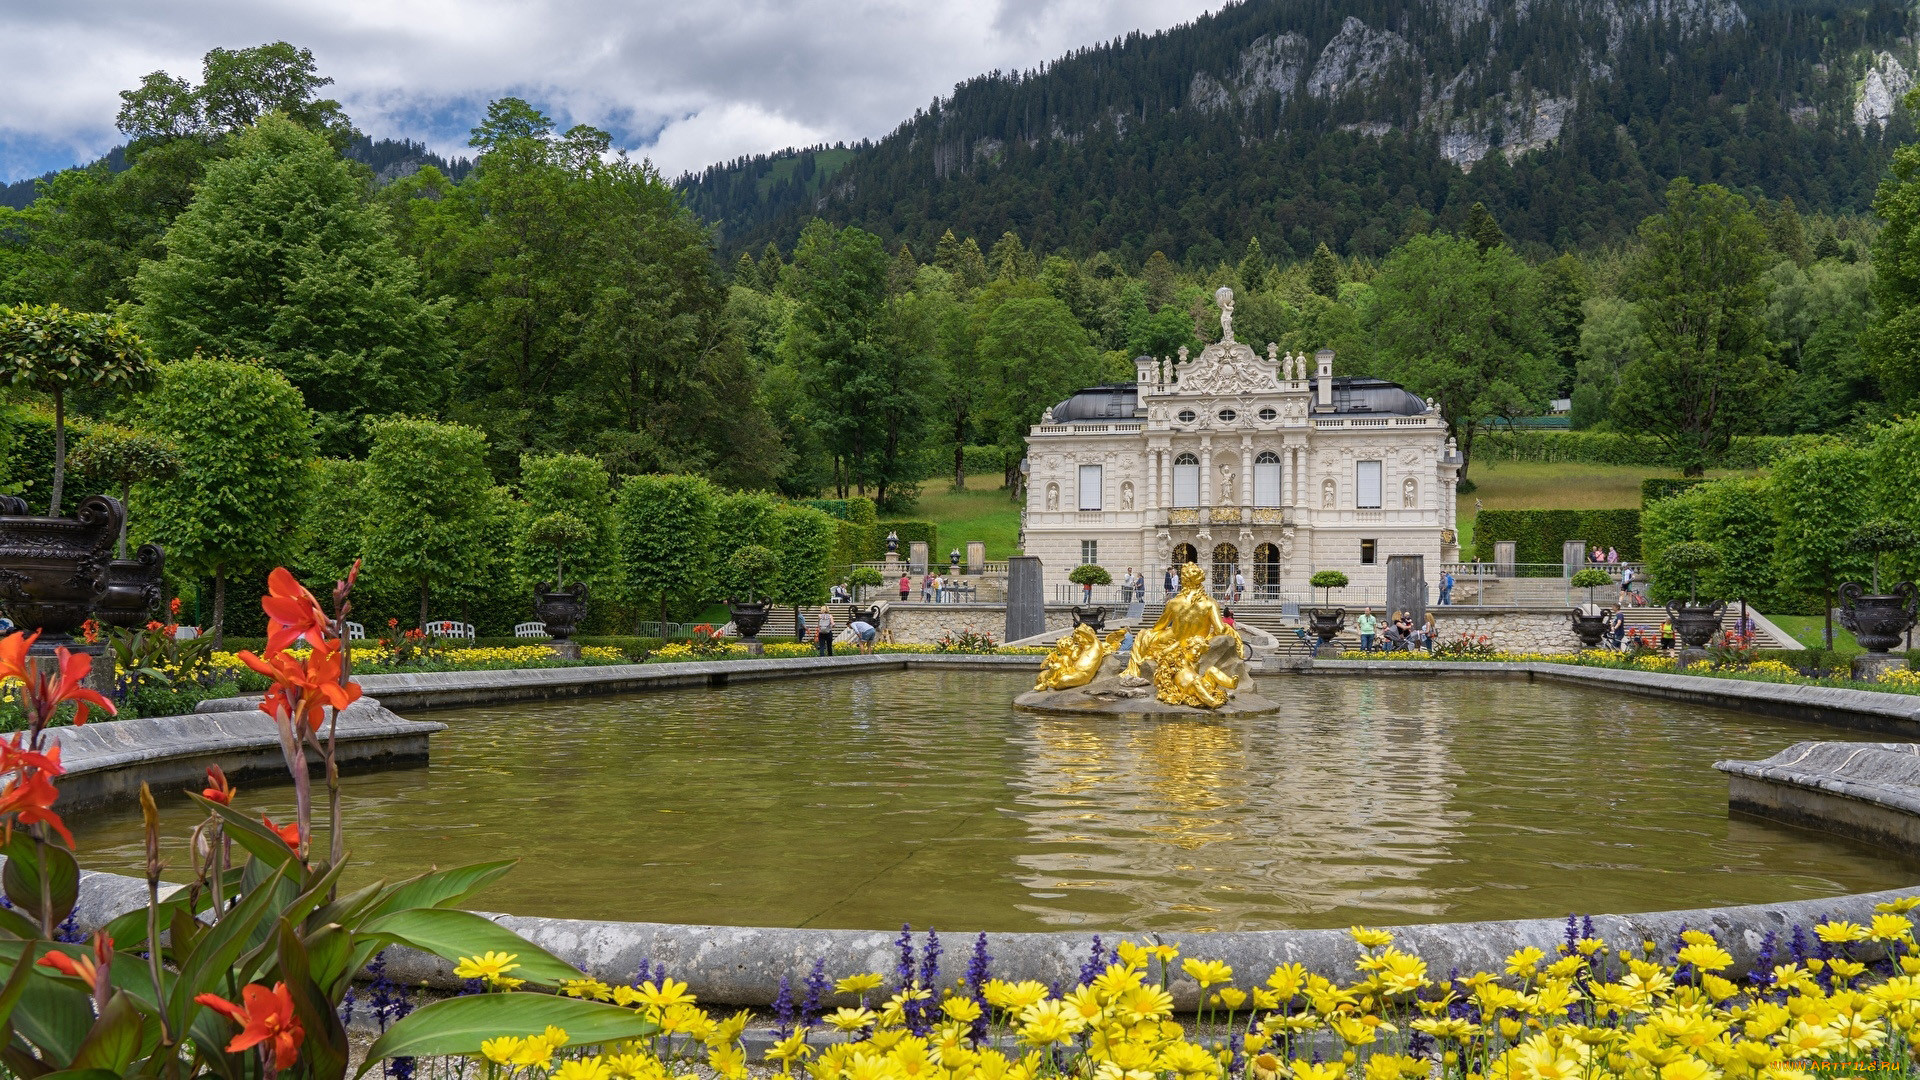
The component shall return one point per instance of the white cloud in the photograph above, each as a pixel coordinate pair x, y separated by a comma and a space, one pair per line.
709, 79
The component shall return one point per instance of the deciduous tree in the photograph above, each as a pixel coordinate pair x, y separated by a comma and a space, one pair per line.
57, 352
665, 535
429, 507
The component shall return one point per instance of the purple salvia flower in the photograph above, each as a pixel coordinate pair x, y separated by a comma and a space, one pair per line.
1573, 934
783, 1010
817, 987
1762, 973
978, 968
1797, 944
905, 970
1094, 966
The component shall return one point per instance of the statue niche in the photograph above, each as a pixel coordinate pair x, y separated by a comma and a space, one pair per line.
1053, 496
1327, 491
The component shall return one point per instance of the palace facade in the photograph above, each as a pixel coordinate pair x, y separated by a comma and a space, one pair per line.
1243, 463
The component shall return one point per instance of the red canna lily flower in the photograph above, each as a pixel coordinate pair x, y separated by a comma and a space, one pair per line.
217, 789
80, 967
292, 613
266, 1016
302, 686
28, 799
173, 606
14, 755
74, 667
289, 833
13, 655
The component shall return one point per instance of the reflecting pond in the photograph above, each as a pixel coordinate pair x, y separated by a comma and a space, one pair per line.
924, 797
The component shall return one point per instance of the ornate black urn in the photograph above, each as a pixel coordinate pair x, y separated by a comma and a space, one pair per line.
749, 618
1878, 622
1589, 628
560, 608
1325, 624
54, 571
1695, 624
133, 588
1093, 618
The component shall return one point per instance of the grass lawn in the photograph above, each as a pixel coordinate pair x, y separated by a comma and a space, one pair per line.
1810, 630
982, 512
1525, 485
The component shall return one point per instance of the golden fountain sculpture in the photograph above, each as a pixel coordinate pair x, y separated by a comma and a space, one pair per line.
1189, 658
1076, 659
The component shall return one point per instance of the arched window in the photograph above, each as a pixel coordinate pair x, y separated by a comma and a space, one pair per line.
1226, 559
1266, 479
1184, 553
1186, 480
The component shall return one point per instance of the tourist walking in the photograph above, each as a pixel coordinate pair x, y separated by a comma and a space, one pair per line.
906, 587
1169, 585
823, 627
1366, 624
1446, 587
939, 589
1126, 586
1613, 556
1430, 634
1666, 635
926, 588
1239, 585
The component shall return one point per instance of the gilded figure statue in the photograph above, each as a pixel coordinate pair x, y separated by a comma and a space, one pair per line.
1194, 657
1076, 658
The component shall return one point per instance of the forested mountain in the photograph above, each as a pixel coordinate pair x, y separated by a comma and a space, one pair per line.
389, 159
1358, 122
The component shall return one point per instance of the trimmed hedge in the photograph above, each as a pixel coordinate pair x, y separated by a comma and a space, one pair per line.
909, 532
1539, 534
1613, 448
1821, 661
1655, 488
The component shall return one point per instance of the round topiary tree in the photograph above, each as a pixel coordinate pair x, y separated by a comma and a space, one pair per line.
1328, 580
1879, 537
125, 457
559, 531
756, 565
1689, 558
1087, 575
53, 350
1590, 579
864, 577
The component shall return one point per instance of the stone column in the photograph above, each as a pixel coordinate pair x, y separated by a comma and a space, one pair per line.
1026, 598
1246, 469
1206, 470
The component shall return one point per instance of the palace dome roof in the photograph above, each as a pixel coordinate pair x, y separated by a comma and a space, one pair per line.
1351, 394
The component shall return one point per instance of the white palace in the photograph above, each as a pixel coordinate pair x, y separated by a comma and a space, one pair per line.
1244, 463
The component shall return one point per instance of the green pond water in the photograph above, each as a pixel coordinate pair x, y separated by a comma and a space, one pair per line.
924, 797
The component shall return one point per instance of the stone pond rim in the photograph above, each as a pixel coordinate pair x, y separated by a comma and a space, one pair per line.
743, 965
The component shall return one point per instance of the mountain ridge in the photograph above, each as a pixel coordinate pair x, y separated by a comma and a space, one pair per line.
1293, 108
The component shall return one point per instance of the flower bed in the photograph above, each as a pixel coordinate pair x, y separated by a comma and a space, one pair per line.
1728, 666
680, 652
1843, 998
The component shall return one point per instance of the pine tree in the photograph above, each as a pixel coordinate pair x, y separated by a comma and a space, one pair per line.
905, 268
1158, 276
970, 265
946, 253
745, 273
1009, 259
1827, 248
1323, 273
1785, 233
1482, 229
770, 267
1253, 268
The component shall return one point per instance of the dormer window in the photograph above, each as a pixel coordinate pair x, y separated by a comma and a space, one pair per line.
1269, 414
1228, 416
1188, 416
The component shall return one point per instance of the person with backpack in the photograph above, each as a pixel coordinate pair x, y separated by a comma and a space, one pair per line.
824, 628
1446, 587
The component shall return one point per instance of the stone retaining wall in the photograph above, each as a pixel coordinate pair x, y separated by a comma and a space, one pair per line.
1511, 629
924, 624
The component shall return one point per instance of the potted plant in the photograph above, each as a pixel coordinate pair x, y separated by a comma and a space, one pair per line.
1326, 622
1693, 621
1588, 622
1087, 575
1879, 619
755, 564
560, 606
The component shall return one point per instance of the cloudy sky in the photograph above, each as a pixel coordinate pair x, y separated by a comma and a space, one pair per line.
685, 82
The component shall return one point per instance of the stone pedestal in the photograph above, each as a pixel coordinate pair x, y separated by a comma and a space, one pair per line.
1687, 656
1504, 554
1407, 586
99, 677
754, 648
917, 556
1868, 667
565, 650
1026, 598
976, 557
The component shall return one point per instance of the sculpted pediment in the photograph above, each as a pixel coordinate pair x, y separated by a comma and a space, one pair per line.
1227, 368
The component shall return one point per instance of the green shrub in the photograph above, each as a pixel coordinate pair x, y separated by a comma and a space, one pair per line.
1655, 488
1090, 574
909, 532
1613, 448
1538, 534
864, 575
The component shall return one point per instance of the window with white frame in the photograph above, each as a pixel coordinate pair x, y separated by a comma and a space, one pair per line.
1089, 552
1090, 487
1186, 480
1266, 479
1366, 485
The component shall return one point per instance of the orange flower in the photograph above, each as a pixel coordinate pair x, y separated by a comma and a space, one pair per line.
217, 789
289, 833
266, 1017
28, 799
44, 693
74, 667
292, 612
301, 687
82, 966
14, 755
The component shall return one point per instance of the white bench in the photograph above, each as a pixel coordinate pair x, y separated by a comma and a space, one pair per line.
356, 632
447, 628
185, 633
530, 629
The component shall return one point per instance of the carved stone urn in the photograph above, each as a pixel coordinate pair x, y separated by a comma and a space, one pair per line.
1589, 628
54, 571
1695, 624
749, 618
1093, 618
1325, 624
133, 588
1878, 622
560, 607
